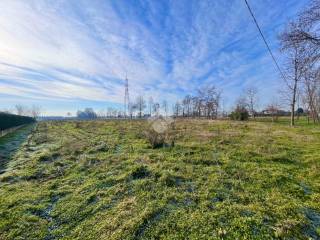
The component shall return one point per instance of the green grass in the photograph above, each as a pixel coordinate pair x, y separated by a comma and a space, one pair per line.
221, 180
10, 143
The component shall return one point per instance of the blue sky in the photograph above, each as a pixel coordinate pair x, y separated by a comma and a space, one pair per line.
69, 54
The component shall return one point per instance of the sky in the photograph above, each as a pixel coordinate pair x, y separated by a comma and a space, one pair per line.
65, 55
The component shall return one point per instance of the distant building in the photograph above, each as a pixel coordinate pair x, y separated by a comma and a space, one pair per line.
279, 112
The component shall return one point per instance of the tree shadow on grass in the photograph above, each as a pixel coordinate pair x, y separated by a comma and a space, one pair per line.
10, 143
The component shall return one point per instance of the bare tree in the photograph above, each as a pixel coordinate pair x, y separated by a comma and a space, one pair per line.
150, 105
301, 42
198, 106
195, 105
209, 100
273, 111
205, 104
186, 103
251, 94
140, 105
114, 113
165, 107
109, 112
296, 62
101, 113
131, 110
177, 109
35, 111
156, 108
21, 109
311, 93
242, 102
306, 29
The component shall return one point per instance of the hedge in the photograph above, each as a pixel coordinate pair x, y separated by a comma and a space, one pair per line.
11, 120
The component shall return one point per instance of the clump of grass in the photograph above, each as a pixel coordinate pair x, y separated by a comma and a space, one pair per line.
100, 147
168, 179
155, 139
140, 172
77, 125
161, 133
48, 156
92, 199
287, 229
40, 138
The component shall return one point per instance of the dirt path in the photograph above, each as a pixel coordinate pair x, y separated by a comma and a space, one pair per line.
10, 143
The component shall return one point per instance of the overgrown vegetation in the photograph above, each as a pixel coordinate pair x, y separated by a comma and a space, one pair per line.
221, 180
240, 114
160, 132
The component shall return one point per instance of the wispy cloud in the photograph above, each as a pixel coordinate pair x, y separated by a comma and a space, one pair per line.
82, 50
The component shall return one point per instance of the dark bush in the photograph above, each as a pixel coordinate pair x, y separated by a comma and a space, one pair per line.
300, 111
240, 114
140, 172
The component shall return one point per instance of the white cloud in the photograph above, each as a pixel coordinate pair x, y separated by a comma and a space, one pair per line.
83, 49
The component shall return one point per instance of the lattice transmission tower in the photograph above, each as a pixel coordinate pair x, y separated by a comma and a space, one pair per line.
126, 98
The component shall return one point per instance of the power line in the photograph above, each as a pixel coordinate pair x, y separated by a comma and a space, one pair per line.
265, 41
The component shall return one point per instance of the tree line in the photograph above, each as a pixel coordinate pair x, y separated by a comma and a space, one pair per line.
33, 111
205, 103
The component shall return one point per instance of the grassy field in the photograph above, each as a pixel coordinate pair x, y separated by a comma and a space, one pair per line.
221, 180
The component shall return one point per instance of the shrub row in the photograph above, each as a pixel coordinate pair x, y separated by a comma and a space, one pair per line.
11, 120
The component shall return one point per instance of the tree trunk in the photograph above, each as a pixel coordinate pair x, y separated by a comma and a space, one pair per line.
294, 96
292, 110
